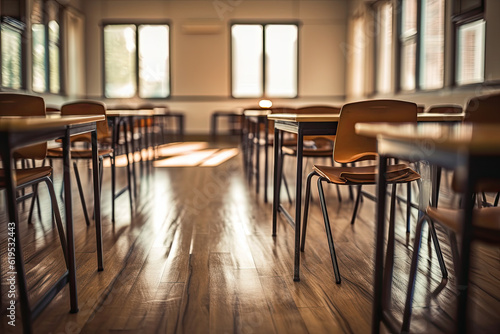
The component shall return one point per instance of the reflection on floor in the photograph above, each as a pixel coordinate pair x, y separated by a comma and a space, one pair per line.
181, 154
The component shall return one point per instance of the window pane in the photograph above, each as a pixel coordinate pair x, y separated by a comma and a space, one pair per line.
409, 18
408, 60
153, 61
39, 78
247, 50
470, 53
432, 49
54, 58
11, 58
281, 60
120, 60
384, 46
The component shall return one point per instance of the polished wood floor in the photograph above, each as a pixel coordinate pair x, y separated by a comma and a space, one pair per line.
197, 256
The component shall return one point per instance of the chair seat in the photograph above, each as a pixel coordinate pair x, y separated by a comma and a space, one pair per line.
365, 174
319, 148
486, 221
24, 176
57, 152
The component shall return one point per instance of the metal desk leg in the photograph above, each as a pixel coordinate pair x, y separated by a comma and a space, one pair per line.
298, 204
266, 159
257, 158
276, 177
379, 244
69, 223
97, 202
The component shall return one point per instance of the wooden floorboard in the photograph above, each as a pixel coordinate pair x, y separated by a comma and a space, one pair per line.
197, 256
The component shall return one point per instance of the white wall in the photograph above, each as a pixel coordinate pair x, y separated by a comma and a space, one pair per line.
200, 76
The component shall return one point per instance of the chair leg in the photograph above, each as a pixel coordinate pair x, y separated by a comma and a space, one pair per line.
437, 248
389, 259
80, 190
328, 230
413, 273
339, 196
284, 179
408, 206
356, 205
496, 199
307, 200
32, 205
57, 214
113, 186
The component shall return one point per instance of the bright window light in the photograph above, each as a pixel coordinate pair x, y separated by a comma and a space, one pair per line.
470, 53
247, 60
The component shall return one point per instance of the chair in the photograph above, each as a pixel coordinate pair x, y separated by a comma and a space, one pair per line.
27, 105
485, 226
350, 147
445, 109
87, 108
317, 147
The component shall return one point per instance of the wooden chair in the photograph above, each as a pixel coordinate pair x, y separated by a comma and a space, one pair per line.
27, 105
318, 147
485, 226
87, 108
350, 147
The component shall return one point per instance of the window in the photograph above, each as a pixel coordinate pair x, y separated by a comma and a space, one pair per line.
384, 48
432, 47
470, 53
408, 40
11, 36
46, 47
264, 60
470, 33
136, 60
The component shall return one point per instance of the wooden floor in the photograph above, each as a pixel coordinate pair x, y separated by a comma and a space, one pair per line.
197, 256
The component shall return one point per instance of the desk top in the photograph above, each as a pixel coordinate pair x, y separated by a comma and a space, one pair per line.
421, 117
23, 123
132, 112
480, 139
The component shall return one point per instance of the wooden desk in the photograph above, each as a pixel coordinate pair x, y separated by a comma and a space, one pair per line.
18, 131
255, 120
473, 151
232, 116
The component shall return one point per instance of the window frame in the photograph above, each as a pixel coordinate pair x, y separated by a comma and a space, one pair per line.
60, 45
137, 24
263, 24
458, 19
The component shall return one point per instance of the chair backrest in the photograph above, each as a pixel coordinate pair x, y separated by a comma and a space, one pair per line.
88, 107
318, 110
445, 109
283, 110
351, 147
12, 104
483, 109
420, 108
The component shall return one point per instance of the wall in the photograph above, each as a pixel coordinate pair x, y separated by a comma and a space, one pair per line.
200, 76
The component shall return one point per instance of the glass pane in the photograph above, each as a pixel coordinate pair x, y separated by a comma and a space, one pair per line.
432, 49
54, 58
408, 60
384, 46
470, 53
11, 58
153, 61
120, 60
247, 50
281, 60
409, 18
39, 61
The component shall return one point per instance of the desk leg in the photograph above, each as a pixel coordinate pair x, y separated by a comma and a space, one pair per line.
8, 164
266, 158
276, 177
257, 158
298, 204
379, 244
114, 139
97, 201
131, 129
69, 223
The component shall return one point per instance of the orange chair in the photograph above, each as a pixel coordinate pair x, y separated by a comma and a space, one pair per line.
350, 147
